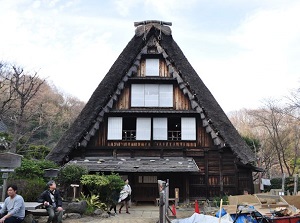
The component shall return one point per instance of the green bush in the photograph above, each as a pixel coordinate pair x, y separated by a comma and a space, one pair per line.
35, 152
29, 178
94, 182
30, 189
217, 201
31, 169
104, 186
115, 185
276, 183
93, 203
71, 174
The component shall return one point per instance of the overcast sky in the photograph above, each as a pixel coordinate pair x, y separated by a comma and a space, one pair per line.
244, 50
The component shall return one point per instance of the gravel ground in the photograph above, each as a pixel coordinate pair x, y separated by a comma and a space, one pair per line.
139, 214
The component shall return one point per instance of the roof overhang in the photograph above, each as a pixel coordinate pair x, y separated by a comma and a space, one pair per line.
249, 166
139, 164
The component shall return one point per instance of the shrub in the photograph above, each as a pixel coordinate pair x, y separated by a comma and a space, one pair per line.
70, 174
217, 200
104, 186
31, 169
93, 202
30, 189
276, 183
94, 182
35, 152
114, 186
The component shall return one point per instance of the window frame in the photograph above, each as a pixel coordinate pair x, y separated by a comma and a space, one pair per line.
152, 66
152, 95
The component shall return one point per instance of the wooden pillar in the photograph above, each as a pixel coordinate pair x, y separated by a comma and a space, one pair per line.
186, 195
221, 173
206, 153
295, 184
283, 182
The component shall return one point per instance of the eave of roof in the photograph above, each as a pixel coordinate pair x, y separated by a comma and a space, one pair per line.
139, 164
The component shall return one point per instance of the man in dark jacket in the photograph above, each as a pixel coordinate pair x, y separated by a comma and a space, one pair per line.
53, 202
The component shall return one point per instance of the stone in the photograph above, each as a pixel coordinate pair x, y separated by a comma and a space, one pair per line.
73, 215
76, 207
98, 212
105, 215
28, 218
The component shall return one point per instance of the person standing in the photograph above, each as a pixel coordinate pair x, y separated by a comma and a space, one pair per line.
13, 210
52, 201
125, 196
113, 200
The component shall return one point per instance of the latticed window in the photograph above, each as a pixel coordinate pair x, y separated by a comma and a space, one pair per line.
229, 180
114, 128
213, 180
188, 128
161, 128
152, 95
147, 179
152, 67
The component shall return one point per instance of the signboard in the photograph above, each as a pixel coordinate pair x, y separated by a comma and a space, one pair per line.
6, 170
10, 160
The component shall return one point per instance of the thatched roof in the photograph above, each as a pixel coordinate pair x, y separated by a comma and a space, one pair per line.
213, 117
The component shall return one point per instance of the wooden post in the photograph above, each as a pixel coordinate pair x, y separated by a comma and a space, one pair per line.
74, 191
176, 197
167, 198
295, 184
4, 177
162, 200
220, 213
283, 182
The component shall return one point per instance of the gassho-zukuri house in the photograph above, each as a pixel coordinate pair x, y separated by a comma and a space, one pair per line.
152, 118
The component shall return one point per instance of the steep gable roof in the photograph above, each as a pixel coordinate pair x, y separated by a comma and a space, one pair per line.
213, 117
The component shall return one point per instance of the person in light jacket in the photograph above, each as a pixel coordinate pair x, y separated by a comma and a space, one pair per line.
125, 196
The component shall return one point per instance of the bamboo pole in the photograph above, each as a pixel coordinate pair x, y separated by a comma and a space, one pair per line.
220, 215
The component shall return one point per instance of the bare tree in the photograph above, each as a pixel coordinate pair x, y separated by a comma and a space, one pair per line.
20, 89
281, 137
7, 96
56, 113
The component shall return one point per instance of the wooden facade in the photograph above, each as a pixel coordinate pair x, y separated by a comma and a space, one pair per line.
186, 138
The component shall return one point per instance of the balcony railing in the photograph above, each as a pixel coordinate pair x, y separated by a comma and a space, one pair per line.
129, 135
174, 135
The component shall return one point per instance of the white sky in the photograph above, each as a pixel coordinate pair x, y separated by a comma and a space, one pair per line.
244, 50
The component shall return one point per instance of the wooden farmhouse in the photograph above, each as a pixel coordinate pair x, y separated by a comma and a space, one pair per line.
152, 118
